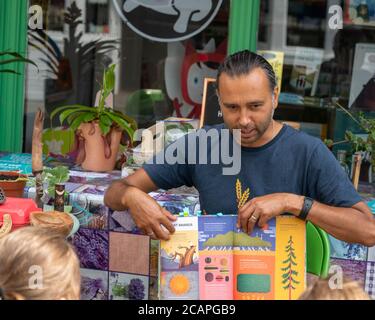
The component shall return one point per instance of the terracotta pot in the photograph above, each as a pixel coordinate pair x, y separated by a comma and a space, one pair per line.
13, 188
98, 153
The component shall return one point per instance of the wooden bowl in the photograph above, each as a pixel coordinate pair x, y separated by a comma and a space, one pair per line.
60, 222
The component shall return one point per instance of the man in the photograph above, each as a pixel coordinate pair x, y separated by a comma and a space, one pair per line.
282, 169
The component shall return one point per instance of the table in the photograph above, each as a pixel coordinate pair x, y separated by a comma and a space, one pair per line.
116, 258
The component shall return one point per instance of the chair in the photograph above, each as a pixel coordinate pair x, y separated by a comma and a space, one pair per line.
317, 251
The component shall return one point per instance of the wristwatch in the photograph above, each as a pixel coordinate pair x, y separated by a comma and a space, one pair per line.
307, 204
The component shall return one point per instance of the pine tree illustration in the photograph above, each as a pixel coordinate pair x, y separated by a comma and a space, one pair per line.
289, 273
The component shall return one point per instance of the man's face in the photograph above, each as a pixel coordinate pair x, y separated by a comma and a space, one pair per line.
246, 104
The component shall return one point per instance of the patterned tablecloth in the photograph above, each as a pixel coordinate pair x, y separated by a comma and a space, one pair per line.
117, 261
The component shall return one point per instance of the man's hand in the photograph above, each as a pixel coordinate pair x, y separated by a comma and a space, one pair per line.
261, 209
148, 215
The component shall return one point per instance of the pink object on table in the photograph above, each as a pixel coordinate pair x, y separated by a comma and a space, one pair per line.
19, 209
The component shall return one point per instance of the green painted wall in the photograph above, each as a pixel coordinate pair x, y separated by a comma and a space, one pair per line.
13, 31
243, 25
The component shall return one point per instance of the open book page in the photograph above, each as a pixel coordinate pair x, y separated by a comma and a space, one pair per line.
290, 269
216, 257
179, 275
254, 263
271, 263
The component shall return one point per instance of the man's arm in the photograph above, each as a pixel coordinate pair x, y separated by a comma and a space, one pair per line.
119, 190
355, 224
132, 193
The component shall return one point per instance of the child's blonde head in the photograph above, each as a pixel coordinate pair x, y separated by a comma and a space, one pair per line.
321, 290
38, 264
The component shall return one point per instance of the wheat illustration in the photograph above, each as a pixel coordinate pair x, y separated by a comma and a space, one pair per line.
244, 198
238, 190
241, 197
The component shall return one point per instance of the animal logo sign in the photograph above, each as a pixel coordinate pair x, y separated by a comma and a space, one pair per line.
167, 20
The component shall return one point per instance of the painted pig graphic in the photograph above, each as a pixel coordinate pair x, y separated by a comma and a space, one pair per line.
192, 10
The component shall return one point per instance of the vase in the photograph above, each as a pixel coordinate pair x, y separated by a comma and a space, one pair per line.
97, 152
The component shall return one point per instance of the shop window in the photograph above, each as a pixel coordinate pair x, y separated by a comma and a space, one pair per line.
155, 78
323, 63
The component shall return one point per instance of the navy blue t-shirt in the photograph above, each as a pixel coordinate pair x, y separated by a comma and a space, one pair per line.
291, 162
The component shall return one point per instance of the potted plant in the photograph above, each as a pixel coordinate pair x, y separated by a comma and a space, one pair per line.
365, 147
99, 128
13, 183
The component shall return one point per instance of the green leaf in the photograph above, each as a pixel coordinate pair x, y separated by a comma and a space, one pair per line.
73, 106
121, 123
74, 116
66, 114
9, 71
90, 116
17, 60
104, 128
130, 120
85, 117
106, 120
105, 124
61, 173
109, 80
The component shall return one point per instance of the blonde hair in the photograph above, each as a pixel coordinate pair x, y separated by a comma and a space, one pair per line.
25, 250
320, 290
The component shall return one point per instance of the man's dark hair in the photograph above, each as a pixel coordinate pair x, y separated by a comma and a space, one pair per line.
242, 63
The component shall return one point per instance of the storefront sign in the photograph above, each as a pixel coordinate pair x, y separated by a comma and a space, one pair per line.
167, 20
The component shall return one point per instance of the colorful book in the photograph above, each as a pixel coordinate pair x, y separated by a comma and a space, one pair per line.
209, 258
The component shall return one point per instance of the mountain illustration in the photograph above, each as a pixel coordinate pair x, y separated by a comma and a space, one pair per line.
237, 240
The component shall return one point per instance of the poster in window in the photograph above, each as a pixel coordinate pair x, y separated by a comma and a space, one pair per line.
362, 89
360, 12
